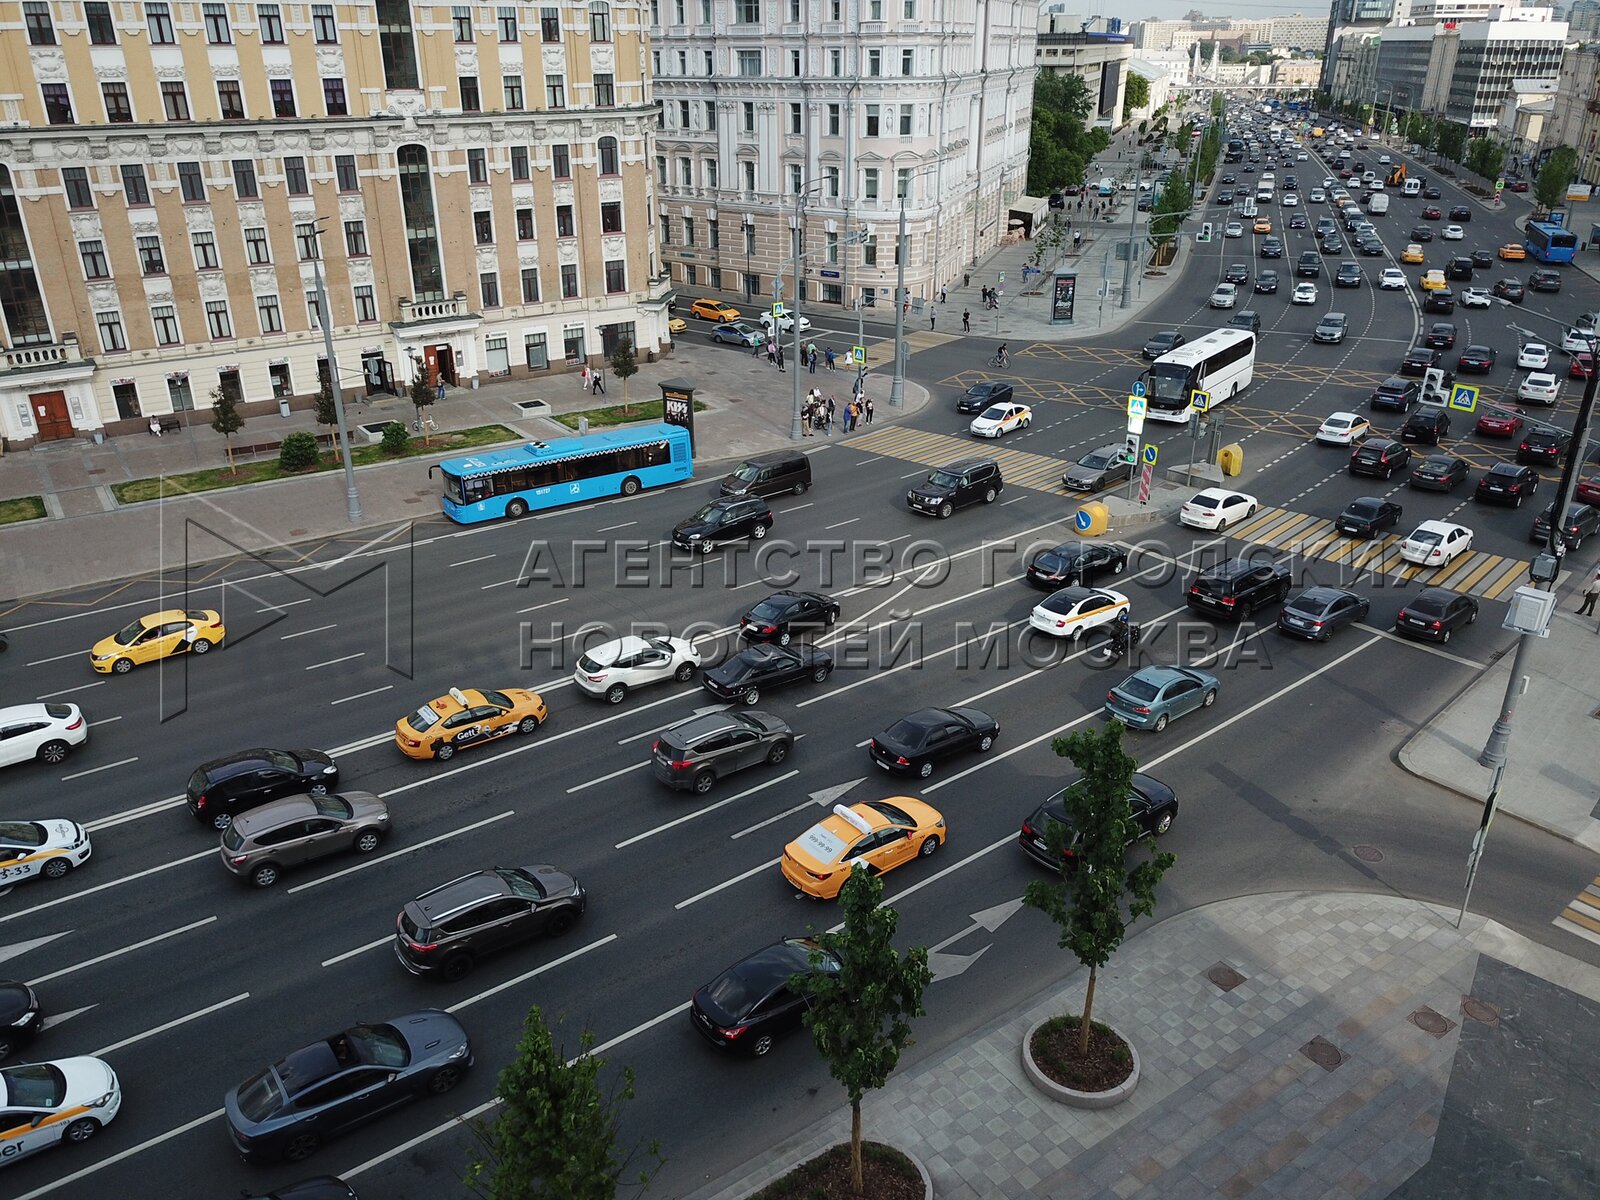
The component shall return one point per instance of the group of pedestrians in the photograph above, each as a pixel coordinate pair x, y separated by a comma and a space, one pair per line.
818, 412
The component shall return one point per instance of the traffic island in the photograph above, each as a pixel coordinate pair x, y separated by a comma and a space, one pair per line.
1120, 514
1103, 1078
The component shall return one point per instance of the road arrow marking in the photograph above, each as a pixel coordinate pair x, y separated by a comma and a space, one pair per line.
826, 797
990, 919
829, 796
945, 966
16, 949
52, 1022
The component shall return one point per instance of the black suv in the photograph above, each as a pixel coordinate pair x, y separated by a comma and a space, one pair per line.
1440, 300
1237, 588
1543, 446
1164, 342
1544, 280
783, 614
1154, 806
1379, 456
1582, 520
1459, 268
693, 754
981, 395
963, 482
1246, 319
224, 786
726, 520
1348, 275
443, 933
1506, 483
1396, 394
1426, 425
1309, 266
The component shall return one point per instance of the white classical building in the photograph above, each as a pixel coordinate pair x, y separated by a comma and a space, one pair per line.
799, 125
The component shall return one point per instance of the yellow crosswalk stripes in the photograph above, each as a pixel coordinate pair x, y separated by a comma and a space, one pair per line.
1582, 916
1017, 467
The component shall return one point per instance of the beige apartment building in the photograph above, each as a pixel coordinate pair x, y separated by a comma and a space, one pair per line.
479, 175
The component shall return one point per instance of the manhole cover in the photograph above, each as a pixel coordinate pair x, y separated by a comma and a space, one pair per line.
1479, 1010
1431, 1023
1324, 1053
1224, 976
1367, 853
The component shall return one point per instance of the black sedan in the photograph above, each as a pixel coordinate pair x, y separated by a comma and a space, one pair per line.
1431, 192
1271, 248
1319, 612
1510, 289
1481, 258
1365, 516
750, 1005
1422, 234
1433, 614
1476, 360
1546, 446
1460, 212
1154, 804
783, 614
915, 742
1267, 281
1348, 275
755, 668
1418, 359
1506, 483
1236, 273
289, 1109
1371, 247
1075, 563
20, 1017
983, 395
1164, 342
1438, 473
1441, 335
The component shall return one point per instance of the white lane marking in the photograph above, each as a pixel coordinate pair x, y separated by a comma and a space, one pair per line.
841, 524
173, 1024
68, 691
1013, 500
211, 852
467, 562
102, 1164
527, 975
51, 1022
400, 853
579, 787
700, 812
285, 604
121, 762
609, 528
914, 474
784, 512
546, 604
121, 950
388, 687
336, 661
727, 883
103, 721
307, 632
39, 662
339, 958
1436, 651
133, 814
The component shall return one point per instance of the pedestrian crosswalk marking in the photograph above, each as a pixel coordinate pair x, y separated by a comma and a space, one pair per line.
1582, 915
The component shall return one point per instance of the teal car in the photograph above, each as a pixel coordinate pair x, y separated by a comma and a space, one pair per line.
1155, 696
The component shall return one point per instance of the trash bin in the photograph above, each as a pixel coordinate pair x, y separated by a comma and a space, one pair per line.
283, 406
1231, 459
1092, 519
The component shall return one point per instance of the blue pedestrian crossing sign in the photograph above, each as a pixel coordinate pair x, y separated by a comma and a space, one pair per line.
1463, 398
1199, 401
1149, 455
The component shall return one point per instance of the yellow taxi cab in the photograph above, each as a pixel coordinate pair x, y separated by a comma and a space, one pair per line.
463, 718
676, 325
883, 834
1512, 252
1433, 281
1263, 225
713, 310
1411, 254
157, 635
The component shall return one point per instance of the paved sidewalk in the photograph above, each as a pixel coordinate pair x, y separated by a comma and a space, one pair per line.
1439, 1039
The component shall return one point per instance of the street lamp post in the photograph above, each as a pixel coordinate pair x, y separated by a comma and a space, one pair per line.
897, 387
325, 317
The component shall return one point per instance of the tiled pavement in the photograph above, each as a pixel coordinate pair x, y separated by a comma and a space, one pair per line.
1228, 1102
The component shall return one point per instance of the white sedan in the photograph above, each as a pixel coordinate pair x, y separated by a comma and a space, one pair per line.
1304, 293
1317, 196
785, 322
615, 668
1073, 611
30, 849
1452, 233
1216, 509
1476, 298
1541, 387
1436, 543
1290, 199
1233, 229
65, 1100
1343, 428
46, 732
1535, 356
1392, 279
1224, 295
1000, 419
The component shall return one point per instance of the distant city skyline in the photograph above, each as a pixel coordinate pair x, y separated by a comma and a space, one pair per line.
1174, 10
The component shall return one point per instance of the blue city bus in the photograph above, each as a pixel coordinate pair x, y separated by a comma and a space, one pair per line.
594, 466
1550, 243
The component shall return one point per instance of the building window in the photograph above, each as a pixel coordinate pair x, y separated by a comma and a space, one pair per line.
158, 19
230, 101
874, 10
616, 276
599, 21
218, 322
110, 326
536, 349
179, 394
305, 240
686, 172
836, 62
747, 12
366, 304
244, 179
796, 183
461, 23
165, 319
902, 183
713, 235
283, 98
870, 191
97, 15
294, 176
749, 239
57, 103
747, 117
127, 397
564, 223
794, 63
191, 183
749, 175
205, 250
395, 42
709, 170
795, 119
75, 180
905, 120
666, 230
269, 314
269, 19
482, 227
874, 62
869, 251
469, 94
530, 286
174, 100
555, 91
909, 12
688, 231
477, 165
511, 88
313, 310
421, 227
872, 120
711, 114
93, 255
323, 27
525, 226
708, 60
506, 18
216, 16
134, 187
605, 94
608, 156
683, 115
749, 62
569, 281
561, 161
908, 62
36, 13
355, 239
661, 170
830, 176
489, 289
344, 168
833, 120
333, 98
611, 216
794, 11
550, 25
151, 261
519, 163
256, 248
119, 109
831, 246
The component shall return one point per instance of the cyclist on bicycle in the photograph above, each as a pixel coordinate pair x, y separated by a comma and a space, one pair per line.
1002, 358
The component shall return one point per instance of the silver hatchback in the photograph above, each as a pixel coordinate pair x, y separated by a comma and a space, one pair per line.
259, 845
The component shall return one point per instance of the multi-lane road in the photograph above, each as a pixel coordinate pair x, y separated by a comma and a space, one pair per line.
157, 959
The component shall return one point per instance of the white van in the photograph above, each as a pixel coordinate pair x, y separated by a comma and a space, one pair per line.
1264, 195
1411, 187
1377, 204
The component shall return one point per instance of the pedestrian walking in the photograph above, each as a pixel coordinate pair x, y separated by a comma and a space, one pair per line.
831, 365
598, 387
930, 317
943, 296
966, 279
811, 358
1591, 593
781, 367
756, 349
586, 380
828, 422
772, 352
966, 320
867, 408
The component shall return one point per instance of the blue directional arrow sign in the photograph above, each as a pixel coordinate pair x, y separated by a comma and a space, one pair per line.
1082, 520
1150, 455
1463, 398
1138, 388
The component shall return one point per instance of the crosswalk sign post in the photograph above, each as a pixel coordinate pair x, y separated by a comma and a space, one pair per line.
1463, 398
859, 355
1199, 401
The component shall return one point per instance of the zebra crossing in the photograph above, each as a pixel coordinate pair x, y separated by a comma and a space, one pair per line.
1582, 915
1017, 467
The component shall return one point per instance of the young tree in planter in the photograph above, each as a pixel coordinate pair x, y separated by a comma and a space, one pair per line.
555, 1136
1559, 170
1452, 139
1096, 883
225, 416
860, 1017
624, 365
1485, 157
422, 396
327, 412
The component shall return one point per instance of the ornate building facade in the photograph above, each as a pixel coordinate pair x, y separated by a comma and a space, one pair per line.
471, 182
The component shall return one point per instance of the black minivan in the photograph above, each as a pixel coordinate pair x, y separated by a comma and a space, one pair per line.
770, 475
225, 786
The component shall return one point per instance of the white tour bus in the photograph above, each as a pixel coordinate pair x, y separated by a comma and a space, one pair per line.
1221, 363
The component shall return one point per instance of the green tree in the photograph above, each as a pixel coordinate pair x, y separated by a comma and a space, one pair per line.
1452, 140
422, 396
1060, 143
555, 1135
327, 412
624, 365
860, 1016
1171, 206
226, 418
395, 438
298, 451
1559, 170
1486, 156
1135, 93
1087, 900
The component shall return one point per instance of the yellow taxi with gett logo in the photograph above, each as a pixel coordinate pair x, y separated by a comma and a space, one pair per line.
882, 834
464, 718
157, 635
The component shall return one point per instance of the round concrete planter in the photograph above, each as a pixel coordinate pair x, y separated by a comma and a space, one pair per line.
1071, 1096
